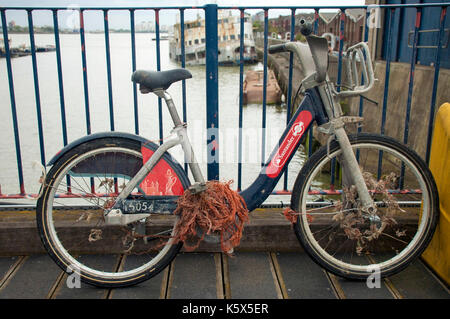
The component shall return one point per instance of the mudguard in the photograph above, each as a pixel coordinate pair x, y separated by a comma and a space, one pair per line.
166, 178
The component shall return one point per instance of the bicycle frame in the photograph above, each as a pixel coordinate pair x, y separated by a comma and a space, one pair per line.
310, 109
318, 105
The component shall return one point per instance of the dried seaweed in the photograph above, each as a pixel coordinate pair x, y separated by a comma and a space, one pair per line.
216, 211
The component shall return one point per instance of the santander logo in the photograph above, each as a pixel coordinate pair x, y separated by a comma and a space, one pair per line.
289, 143
298, 128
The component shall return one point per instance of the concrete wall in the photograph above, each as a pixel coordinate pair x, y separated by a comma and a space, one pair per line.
397, 100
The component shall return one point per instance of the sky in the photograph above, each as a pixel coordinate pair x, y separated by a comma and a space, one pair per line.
119, 19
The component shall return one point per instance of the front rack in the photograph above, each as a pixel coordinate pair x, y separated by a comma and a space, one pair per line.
359, 69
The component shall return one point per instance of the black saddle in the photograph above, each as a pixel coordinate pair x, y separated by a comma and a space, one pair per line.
152, 80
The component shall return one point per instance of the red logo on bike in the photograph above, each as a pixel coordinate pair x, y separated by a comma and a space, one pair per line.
289, 143
162, 180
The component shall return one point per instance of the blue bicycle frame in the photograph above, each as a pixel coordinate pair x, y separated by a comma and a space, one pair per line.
310, 109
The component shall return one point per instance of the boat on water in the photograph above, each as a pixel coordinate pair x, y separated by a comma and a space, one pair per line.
162, 37
254, 85
22, 50
228, 32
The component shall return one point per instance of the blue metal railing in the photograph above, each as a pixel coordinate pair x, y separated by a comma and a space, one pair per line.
212, 90
212, 72
241, 97
435, 81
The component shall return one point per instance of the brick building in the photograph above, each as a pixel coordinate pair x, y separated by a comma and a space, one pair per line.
328, 24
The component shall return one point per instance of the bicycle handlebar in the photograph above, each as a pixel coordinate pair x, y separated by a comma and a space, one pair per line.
305, 27
277, 48
315, 59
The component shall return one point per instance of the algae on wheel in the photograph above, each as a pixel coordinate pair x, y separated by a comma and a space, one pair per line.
81, 186
341, 237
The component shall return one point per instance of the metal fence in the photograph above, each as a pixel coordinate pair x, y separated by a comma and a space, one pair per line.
211, 25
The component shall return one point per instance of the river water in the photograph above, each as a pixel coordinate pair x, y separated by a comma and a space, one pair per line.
122, 90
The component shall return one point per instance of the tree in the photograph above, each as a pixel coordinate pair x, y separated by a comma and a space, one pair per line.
258, 26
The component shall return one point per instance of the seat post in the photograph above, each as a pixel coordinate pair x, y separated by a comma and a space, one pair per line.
170, 105
185, 144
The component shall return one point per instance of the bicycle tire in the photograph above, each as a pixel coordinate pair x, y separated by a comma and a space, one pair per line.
96, 155
338, 248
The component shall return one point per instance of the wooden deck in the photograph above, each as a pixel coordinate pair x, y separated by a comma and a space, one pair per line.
248, 275
269, 264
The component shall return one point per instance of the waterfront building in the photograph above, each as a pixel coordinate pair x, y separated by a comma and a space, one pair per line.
228, 32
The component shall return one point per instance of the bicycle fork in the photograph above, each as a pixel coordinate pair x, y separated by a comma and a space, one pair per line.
336, 128
352, 166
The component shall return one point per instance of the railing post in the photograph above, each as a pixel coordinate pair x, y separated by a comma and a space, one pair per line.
241, 95
36, 85
158, 68
212, 96
437, 66
133, 68
12, 97
108, 70
183, 82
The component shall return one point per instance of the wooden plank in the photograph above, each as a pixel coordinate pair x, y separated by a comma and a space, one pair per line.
9, 273
353, 289
265, 230
5, 266
334, 282
149, 289
33, 279
168, 278
220, 284
280, 287
251, 276
416, 282
303, 278
226, 276
193, 277
87, 291
387, 282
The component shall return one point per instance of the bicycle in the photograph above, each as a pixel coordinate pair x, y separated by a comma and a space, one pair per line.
361, 202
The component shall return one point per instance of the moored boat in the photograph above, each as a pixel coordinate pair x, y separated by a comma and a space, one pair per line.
228, 40
254, 85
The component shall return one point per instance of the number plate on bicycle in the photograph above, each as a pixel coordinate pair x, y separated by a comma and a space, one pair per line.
149, 206
137, 206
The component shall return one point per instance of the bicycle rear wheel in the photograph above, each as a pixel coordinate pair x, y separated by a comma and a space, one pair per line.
80, 187
342, 238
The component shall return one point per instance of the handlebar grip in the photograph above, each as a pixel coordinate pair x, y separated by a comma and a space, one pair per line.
305, 27
277, 48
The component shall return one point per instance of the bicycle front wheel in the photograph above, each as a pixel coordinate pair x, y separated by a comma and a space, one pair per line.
81, 187
344, 239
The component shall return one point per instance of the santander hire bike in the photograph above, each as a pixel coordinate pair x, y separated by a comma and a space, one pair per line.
360, 202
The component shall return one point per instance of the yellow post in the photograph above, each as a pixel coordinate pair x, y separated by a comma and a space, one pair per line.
437, 255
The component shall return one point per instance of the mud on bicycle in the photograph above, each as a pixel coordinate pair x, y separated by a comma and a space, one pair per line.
360, 201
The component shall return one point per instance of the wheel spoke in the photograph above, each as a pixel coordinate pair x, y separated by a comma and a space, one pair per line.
339, 233
75, 221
